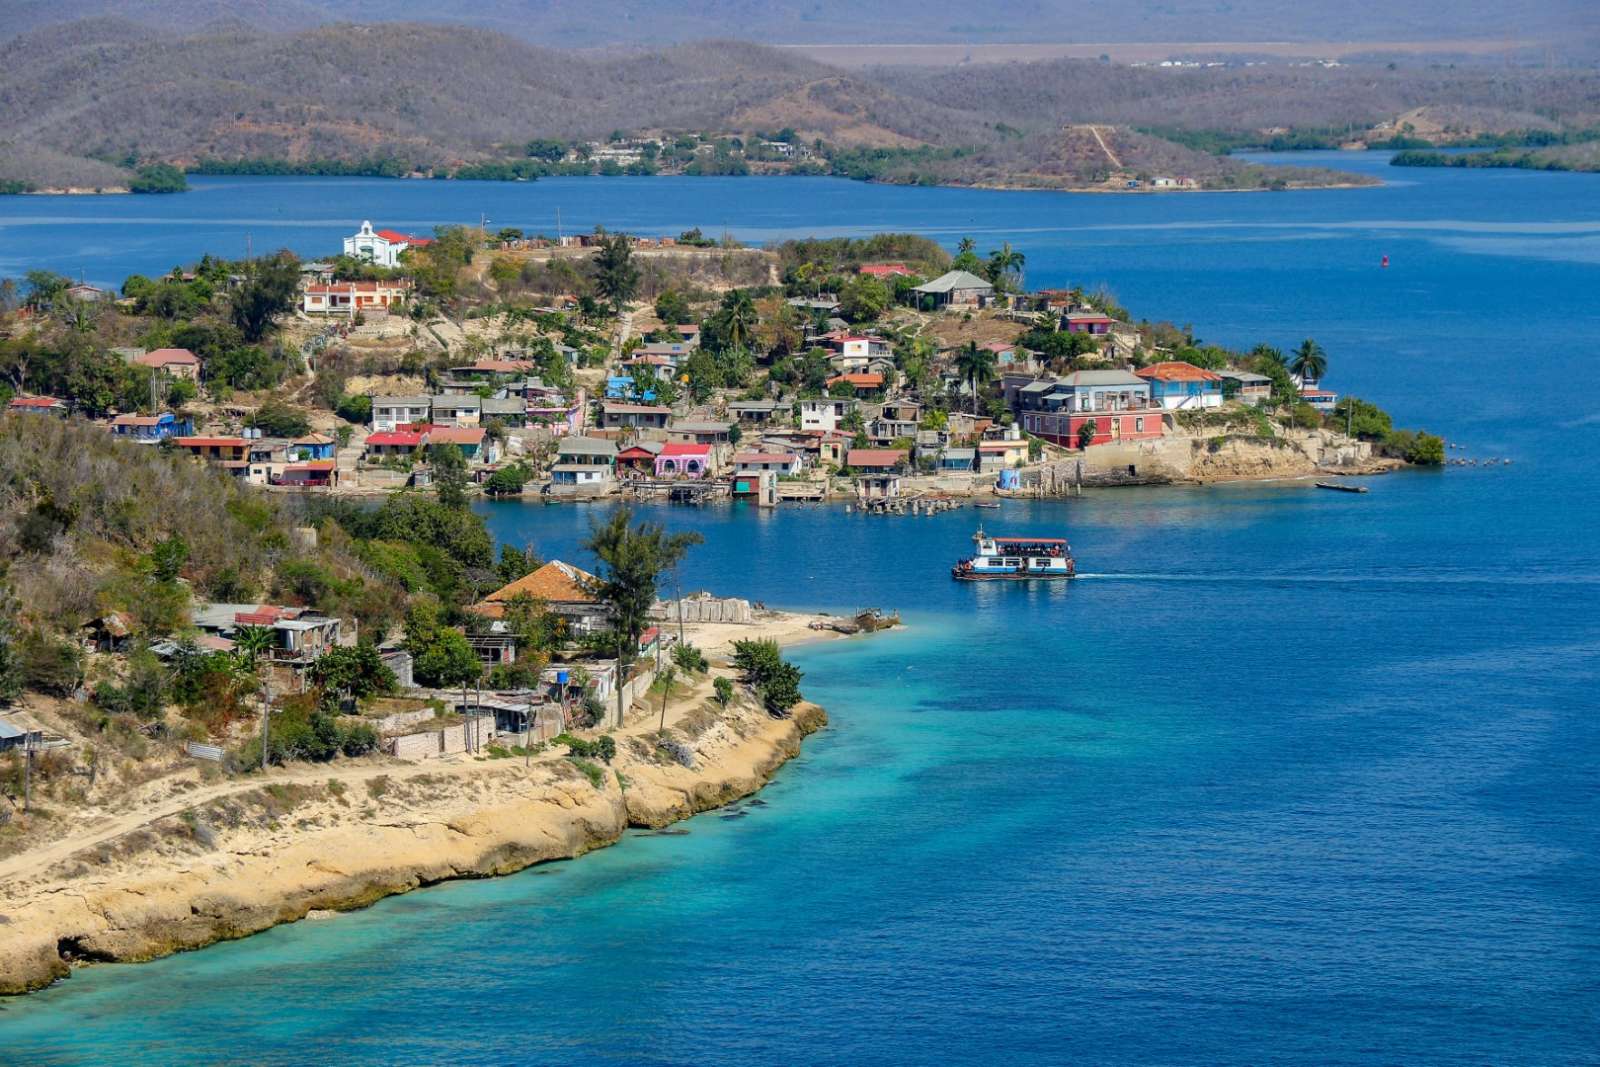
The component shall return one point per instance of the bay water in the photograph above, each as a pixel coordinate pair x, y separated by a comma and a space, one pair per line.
1291, 777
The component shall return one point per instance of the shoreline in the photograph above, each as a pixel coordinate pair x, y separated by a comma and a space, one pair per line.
196, 862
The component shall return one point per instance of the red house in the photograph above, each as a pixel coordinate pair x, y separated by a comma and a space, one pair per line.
885, 270
1087, 322
1065, 427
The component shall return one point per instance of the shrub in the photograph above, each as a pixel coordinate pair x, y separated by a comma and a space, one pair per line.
724, 691
690, 659
596, 776
49, 664
604, 749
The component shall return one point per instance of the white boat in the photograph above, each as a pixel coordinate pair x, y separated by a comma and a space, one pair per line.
1016, 559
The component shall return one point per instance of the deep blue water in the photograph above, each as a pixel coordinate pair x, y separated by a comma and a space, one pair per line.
1290, 778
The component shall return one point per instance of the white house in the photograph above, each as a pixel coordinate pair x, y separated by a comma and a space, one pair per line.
382, 247
756, 462
392, 412
1176, 385
825, 413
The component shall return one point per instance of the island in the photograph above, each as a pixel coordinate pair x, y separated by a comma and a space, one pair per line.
260, 659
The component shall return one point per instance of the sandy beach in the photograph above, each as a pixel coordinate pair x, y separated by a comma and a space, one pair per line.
193, 858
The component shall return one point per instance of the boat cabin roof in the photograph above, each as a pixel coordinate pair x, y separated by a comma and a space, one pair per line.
1029, 540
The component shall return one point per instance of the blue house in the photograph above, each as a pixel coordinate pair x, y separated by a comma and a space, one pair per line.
151, 429
311, 446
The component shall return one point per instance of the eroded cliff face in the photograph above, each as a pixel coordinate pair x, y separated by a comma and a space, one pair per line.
242, 863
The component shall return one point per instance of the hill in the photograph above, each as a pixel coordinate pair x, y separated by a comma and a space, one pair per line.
436, 97
562, 23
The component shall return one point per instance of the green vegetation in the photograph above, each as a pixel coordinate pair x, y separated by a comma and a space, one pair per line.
158, 178
632, 557
765, 670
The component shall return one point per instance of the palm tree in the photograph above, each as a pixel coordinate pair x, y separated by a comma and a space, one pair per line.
1268, 352
977, 366
1005, 261
251, 642
742, 319
1310, 363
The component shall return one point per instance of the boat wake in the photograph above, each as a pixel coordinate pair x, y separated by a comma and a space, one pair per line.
1351, 579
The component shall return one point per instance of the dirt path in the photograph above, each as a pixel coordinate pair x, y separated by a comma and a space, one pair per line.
1101, 141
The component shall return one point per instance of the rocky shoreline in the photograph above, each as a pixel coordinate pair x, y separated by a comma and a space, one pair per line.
298, 843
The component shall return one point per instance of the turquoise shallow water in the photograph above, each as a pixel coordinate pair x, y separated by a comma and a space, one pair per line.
1291, 777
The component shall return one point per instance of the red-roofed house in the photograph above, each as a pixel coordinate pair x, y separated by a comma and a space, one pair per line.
1087, 322
861, 383
680, 459
1176, 385
472, 440
37, 405
312, 474
347, 298
396, 442
885, 270
178, 362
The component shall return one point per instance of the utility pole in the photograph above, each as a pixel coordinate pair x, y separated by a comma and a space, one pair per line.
266, 718
27, 773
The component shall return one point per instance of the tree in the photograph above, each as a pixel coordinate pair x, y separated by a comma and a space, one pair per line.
967, 257
1004, 262
353, 670
441, 655
723, 688
977, 365
250, 643
863, 298
1310, 363
632, 557
737, 320
1086, 433
268, 290
168, 557
449, 475
616, 278
1362, 419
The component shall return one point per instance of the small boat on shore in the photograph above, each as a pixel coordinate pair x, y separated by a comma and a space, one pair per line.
1336, 487
1016, 559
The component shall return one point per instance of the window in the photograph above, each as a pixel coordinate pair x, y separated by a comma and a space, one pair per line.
1138, 426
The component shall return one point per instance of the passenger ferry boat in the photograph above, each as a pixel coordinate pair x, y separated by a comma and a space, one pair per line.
1016, 559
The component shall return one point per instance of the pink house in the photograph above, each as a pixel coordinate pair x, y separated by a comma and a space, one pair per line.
681, 460
178, 362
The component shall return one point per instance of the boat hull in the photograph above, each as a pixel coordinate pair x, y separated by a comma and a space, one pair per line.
970, 577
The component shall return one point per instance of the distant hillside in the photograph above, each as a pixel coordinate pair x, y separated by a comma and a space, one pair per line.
1259, 97
425, 92
433, 97
569, 23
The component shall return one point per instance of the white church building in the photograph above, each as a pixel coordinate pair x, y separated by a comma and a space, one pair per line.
382, 247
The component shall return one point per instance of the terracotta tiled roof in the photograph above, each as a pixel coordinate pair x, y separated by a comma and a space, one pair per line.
455, 435
1178, 371
556, 582
860, 381
873, 457
36, 402
165, 357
